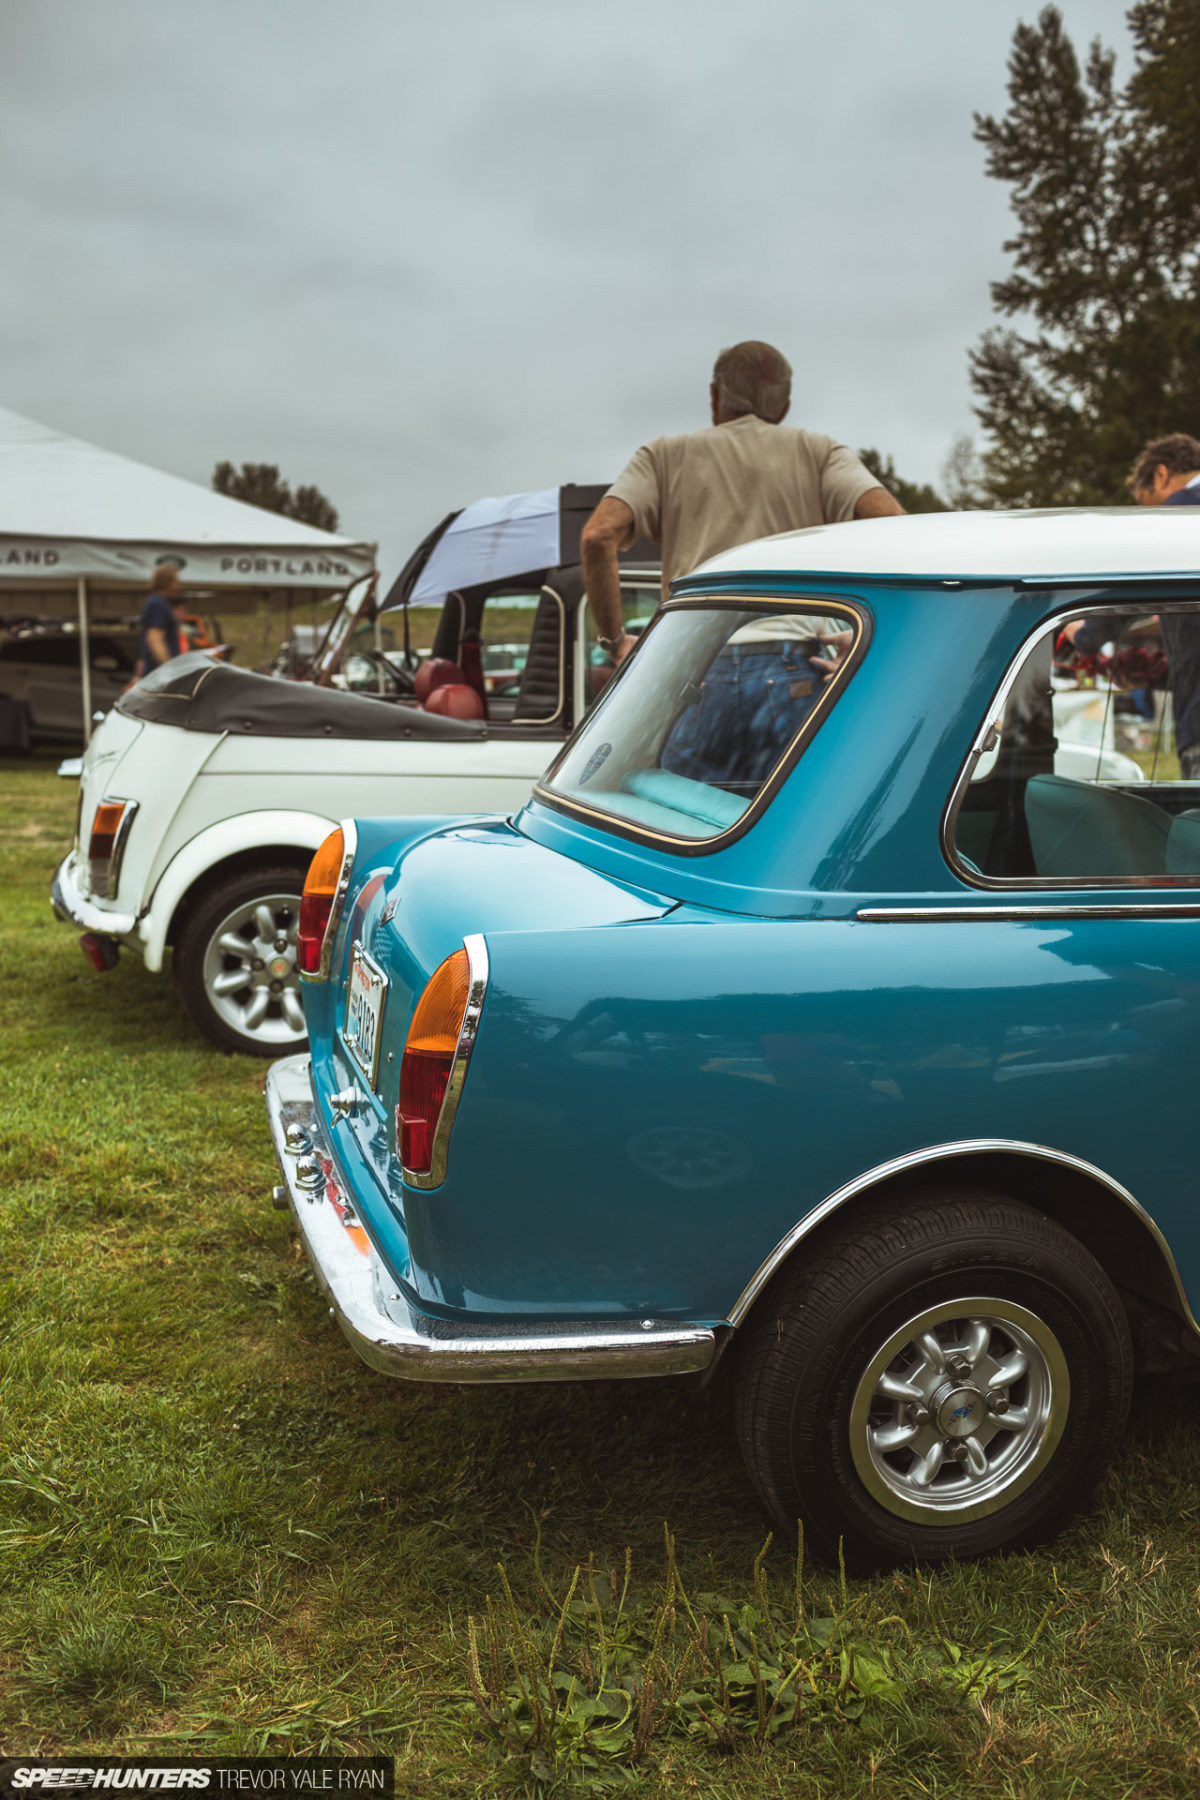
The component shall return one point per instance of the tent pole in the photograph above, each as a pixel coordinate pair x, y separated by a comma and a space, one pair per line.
85, 661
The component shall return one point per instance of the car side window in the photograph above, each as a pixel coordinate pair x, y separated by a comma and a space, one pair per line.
639, 603
1090, 770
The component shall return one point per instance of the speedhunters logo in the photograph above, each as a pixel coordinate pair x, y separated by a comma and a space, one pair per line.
290, 1776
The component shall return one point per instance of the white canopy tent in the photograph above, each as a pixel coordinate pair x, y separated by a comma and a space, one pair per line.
71, 513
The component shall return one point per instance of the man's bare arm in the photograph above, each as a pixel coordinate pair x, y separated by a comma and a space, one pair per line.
877, 503
609, 530
156, 643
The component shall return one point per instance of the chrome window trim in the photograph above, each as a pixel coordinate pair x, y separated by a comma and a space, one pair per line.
120, 835
917, 1159
349, 852
477, 962
1037, 883
1130, 909
614, 823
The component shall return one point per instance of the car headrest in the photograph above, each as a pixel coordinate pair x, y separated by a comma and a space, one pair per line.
436, 672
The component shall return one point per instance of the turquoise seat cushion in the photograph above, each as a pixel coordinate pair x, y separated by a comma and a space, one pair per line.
1183, 844
695, 799
1076, 828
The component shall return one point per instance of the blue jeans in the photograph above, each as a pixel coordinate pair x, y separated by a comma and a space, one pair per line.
750, 706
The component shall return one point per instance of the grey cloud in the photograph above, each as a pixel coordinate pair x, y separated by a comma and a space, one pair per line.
420, 255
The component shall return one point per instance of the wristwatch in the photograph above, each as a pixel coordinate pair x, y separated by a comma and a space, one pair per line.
612, 645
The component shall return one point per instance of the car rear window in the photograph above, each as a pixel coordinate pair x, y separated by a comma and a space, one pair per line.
689, 741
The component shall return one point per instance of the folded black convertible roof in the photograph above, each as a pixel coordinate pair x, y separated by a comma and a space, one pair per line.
198, 694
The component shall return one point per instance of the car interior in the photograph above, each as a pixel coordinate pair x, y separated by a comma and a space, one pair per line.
1128, 816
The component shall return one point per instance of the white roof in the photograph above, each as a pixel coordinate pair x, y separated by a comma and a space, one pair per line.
107, 514
1065, 541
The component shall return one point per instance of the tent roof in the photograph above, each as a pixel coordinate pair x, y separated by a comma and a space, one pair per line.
61, 488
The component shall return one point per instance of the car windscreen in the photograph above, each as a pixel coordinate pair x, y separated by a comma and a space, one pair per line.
690, 738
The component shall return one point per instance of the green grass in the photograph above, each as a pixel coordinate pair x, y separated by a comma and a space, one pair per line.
220, 1533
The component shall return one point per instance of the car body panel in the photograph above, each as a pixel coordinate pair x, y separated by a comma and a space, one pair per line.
680, 1088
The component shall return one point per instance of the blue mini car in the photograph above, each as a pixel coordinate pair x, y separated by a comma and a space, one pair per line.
832, 1010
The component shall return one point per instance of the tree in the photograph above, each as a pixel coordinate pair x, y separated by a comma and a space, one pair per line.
1106, 270
914, 497
260, 484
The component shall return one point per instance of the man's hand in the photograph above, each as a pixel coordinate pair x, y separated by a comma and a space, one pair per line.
877, 503
609, 530
156, 643
838, 642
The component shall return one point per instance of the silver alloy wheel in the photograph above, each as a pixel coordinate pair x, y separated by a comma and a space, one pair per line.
249, 971
959, 1411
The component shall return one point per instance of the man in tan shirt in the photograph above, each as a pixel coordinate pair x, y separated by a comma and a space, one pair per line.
745, 477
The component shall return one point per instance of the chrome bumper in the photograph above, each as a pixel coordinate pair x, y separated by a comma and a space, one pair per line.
70, 904
398, 1340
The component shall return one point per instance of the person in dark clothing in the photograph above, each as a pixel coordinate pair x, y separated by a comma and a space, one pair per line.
1165, 473
160, 622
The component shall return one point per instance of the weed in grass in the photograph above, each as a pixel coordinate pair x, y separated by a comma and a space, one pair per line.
585, 1684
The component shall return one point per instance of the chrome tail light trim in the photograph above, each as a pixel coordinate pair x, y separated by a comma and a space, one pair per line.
349, 852
477, 962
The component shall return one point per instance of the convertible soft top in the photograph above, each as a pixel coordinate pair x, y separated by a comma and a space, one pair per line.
198, 694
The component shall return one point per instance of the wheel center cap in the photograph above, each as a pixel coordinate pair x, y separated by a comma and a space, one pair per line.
958, 1409
281, 968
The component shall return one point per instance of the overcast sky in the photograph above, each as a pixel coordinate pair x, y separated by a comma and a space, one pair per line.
419, 254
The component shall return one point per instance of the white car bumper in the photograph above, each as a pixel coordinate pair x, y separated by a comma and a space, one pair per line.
70, 903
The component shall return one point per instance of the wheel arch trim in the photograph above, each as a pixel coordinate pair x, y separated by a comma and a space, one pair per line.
937, 1153
204, 854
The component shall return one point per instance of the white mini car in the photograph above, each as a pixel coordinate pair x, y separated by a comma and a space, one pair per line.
206, 789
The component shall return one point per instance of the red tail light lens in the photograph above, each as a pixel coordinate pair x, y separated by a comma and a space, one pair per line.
316, 905
110, 827
428, 1059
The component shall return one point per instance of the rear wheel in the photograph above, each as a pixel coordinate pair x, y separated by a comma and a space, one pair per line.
944, 1378
235, 963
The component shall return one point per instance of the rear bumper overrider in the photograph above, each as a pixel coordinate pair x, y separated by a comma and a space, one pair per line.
71, 904
393, 1336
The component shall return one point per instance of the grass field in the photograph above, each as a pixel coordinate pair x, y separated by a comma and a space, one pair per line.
220, 1533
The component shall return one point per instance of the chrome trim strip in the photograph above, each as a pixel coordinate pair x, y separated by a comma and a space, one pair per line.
395, 1338
120, 836
477, 962
1132, 909
916, 1159
349, 852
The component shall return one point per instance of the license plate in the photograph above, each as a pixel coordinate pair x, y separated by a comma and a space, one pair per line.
366, 991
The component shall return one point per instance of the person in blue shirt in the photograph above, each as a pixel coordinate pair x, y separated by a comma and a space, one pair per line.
160, 622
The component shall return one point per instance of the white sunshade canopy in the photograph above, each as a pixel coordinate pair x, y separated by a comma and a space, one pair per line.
69, 509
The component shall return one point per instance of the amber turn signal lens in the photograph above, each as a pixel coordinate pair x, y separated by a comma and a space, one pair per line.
428, 1059
106, 825
316, 902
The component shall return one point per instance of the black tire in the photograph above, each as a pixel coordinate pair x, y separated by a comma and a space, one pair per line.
816, 1429
251, 1016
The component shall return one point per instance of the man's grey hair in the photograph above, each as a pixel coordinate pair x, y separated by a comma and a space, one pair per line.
752, 378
